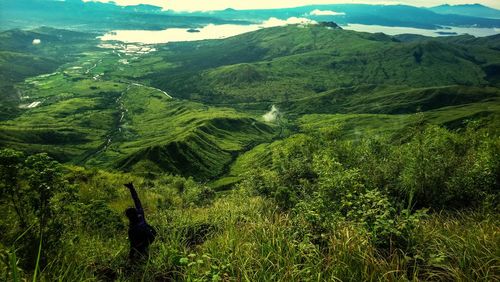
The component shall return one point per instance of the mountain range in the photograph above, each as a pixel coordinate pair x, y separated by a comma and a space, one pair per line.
189, 109
92, 16
285, 146
473, 10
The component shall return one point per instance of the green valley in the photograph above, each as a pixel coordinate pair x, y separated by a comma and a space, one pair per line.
292, 153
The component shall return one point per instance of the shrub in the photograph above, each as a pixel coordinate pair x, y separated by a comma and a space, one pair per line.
445, 170
96, 216
198, 195
11, 164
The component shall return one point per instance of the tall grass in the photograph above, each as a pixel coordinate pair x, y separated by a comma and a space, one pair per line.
240, 237
252, 240
37, 265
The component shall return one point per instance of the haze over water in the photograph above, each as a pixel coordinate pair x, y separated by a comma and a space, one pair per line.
394, 30
210, 31
213, 31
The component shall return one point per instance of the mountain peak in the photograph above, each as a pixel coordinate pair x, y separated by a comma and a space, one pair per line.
474, 10
474, 5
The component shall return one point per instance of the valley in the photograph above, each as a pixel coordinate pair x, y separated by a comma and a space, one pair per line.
116, 104
290, 153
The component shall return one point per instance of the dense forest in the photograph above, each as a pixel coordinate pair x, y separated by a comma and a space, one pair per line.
294, 153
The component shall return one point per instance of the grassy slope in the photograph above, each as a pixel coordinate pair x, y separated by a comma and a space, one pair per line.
356, 126
242, 237
73, 117
80, 120
303, 70
20, 58
287, 63
162, 134
389, 100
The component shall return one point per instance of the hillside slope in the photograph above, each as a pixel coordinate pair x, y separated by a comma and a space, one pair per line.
158, 134
286, 63
189, 109
127, 126
29, 53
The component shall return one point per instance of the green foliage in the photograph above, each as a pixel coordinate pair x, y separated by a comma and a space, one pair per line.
342, 229
10, 268
37, 193
200, 195
381, 187
372, 193
10, 172
448, 170
45, 180
97, 216
177, 191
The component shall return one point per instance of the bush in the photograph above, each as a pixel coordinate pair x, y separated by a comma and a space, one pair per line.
198, 195
384, 188
446, 170
96, 216
291, 176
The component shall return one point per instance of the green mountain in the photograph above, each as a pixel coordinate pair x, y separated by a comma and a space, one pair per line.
285, 154
189, 109
289, 63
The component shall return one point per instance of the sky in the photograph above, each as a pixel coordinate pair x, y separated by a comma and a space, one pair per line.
206, 5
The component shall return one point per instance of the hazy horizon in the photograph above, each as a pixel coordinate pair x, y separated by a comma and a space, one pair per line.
196, 5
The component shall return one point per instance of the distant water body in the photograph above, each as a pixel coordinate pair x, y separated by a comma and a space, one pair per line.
212, 31
452, 30
177, 34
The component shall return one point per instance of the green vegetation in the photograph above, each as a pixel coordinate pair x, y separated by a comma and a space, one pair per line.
289, 63
21, 58
323, 207
379, 159
86, 116
182, 137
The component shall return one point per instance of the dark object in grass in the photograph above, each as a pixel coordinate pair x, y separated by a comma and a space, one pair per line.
197, 234
140, 233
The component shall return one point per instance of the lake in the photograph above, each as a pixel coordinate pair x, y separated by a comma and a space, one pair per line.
452, 30
212, 31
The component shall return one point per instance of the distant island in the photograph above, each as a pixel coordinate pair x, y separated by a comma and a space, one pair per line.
330, 25
446, 33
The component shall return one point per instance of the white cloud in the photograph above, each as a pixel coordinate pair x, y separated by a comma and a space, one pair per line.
325, 13
36, 41
272, 22
272, 115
